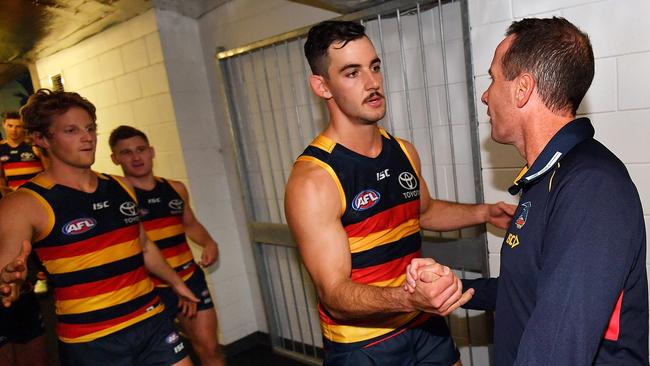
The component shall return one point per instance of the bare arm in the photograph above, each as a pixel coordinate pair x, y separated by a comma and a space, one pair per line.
439, 215
313, 207
156, 264
22, 217
195, 230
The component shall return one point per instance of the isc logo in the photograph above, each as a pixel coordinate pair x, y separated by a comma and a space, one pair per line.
365, 200
79, 226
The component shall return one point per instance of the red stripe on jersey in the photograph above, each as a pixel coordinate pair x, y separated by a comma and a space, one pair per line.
614, 326
16, 182
384, 271
175, 250
91, 245
100, 287
22, 164
71, 331
162, 222
324, 317
384, 220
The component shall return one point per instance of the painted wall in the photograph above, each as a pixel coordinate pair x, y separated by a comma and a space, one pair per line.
618, 101
121, 71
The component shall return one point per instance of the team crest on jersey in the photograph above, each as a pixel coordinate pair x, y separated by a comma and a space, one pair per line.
523, 216
172, 338
365, 199
79, 226
27, 156
176, 204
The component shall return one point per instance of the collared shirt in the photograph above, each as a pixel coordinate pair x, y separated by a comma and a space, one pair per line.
572, 288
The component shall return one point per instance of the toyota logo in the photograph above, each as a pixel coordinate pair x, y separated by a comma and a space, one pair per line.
407, 181
128, 208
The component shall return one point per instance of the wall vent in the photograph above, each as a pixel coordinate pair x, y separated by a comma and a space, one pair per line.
57, 82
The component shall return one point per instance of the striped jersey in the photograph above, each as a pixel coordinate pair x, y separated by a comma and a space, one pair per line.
93, 258
19, 163
161, 213
380, 209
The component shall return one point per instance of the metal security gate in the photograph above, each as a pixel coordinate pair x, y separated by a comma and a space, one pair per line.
274, 116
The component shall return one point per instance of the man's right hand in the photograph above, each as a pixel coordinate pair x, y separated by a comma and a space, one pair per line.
434, 288
13, 275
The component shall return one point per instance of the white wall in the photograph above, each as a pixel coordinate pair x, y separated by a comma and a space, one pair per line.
121, 71
618, 102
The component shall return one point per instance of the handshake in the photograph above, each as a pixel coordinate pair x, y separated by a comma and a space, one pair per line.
434, 288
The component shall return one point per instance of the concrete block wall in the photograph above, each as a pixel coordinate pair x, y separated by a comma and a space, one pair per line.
618, 102
121, 71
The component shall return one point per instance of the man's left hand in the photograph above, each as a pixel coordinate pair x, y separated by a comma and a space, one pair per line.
500, 214
209, 255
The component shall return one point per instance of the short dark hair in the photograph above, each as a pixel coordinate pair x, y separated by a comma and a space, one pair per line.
557, 54
322, 35
44, 104
11, 115
123, 133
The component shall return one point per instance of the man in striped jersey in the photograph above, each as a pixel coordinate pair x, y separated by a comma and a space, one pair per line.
84, 228
355, 203
169, 220
18, 159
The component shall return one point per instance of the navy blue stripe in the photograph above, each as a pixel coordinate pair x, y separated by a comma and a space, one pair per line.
98, 273
171, 241
387, 252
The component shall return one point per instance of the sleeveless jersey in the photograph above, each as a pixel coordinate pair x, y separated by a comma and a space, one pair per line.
93, 258
19, 164
380, 200
161, 213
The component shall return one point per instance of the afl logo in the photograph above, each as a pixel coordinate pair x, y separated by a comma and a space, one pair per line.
176, 204
128, 208
365, 199
79, 226
407, 180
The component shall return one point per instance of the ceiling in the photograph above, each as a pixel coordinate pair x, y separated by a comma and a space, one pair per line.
32, 29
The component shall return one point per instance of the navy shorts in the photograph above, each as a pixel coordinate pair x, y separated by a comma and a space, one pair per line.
153, 341
22, 322
429, 343
199, 288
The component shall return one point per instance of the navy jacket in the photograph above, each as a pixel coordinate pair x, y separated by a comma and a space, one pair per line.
572, 288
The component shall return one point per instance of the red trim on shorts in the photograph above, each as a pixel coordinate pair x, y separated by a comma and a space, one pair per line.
419, 320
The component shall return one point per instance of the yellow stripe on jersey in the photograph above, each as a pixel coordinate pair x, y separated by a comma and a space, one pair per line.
324, 143
393, 282
50, 214
22, 171
180, 259
110, 254
408, 156
128, 189
92, 336
363, 243
104, 301
350, 333
165, 232
331, 172
43, 182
